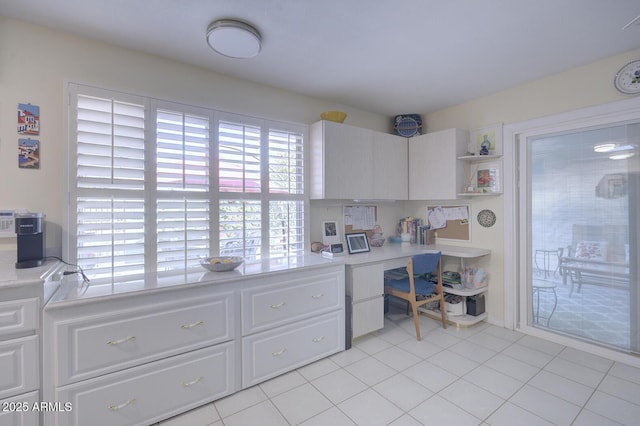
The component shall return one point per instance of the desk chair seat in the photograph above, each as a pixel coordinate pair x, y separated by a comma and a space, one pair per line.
416, 289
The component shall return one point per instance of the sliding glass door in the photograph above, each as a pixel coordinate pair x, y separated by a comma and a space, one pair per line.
579, 233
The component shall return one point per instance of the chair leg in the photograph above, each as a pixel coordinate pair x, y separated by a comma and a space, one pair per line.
443, 313
414, 307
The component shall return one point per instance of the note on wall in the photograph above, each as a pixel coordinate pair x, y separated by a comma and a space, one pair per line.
360, 217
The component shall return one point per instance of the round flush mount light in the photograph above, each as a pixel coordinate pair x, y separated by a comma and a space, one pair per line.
604, 147
235, 39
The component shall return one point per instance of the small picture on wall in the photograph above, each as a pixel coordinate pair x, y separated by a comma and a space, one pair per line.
28, 154
488, 180
28, 119
487, 141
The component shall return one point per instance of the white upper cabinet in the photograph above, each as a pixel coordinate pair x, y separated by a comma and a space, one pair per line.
434, 172
349, 162
390, 171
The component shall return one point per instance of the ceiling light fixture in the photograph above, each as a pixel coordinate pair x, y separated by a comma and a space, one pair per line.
604, 147
235, 39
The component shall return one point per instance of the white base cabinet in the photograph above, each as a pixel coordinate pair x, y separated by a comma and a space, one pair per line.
150, 392
142, 357
365, 285
19, 410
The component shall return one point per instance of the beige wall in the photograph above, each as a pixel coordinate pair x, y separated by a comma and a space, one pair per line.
581, 87
35, 63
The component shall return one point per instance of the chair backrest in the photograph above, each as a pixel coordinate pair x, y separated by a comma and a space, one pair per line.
425, 263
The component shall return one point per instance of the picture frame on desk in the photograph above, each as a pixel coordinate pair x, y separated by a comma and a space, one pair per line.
486, 141
357, 242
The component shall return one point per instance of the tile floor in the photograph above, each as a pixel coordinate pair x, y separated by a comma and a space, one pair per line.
484, 375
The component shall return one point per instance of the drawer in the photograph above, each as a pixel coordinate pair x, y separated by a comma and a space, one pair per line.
367, 316
271, 353
18, 410
146, 394
269, 306
102, 344
19, 372
18, 317
364, 282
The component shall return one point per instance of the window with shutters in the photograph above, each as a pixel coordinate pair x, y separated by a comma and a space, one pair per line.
155, 186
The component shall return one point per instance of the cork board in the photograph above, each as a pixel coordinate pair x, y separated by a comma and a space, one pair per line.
360, 218
458, 228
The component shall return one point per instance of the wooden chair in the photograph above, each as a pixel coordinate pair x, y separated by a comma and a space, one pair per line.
416, 289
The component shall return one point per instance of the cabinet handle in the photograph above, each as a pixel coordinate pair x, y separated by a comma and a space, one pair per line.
128, 402
195, 324
193, 382
278, 305
317, 296
280, 352
318, 339
125, 340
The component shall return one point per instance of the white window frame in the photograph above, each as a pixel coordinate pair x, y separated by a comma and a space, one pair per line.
152, 195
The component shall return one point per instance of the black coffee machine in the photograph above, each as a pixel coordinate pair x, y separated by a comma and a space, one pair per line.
30, 233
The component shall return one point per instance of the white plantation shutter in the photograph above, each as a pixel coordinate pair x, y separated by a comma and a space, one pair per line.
240, 228
239, 147
110, 164
182, 174
182, 147
156, 186
286, 228
183, 233
286, 167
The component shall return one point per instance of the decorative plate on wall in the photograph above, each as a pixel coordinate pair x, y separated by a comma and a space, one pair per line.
486, 218
407, 125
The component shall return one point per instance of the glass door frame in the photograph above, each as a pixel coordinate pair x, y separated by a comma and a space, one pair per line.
517, 262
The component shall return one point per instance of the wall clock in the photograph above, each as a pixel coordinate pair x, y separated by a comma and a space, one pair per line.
627, 79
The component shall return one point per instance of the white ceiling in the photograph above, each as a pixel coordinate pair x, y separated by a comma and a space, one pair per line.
389, 57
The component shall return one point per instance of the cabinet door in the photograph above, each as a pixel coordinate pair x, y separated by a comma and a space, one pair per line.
345, 169
19, 371
390, 171
18, 410
365, 282
434, 172
367, 316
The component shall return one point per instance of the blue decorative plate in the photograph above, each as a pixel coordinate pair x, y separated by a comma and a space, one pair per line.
407, 125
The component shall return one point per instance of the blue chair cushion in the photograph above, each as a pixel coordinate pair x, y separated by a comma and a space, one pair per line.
422, 286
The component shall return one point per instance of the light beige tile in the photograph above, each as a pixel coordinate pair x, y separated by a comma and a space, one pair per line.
370, 408
301, 403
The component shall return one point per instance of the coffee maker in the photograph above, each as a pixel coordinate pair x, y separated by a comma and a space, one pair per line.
30, 234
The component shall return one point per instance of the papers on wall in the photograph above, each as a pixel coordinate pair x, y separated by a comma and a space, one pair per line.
438, 216
360, 217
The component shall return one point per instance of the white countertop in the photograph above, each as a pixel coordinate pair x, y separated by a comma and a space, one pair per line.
12, 277
73, 290
391, 251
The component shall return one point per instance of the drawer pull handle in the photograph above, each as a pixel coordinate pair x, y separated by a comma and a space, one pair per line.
195, 324
280, 352
318, 339
128, 402
318, 296
278, 305
193, 382
125, 340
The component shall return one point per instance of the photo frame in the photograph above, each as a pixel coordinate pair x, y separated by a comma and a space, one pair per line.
330, 232
487, 141
357, 242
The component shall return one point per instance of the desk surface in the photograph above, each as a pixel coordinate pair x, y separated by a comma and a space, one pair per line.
399, 251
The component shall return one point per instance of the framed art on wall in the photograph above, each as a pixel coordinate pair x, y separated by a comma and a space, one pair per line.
487, 141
